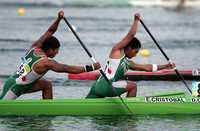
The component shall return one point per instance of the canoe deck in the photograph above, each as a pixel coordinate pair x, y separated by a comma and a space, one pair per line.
164, 104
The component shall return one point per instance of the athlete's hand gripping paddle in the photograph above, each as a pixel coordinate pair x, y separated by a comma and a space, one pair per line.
165, 55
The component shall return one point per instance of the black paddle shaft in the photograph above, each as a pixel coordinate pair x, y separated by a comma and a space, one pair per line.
167, 58
94, 61
84, 47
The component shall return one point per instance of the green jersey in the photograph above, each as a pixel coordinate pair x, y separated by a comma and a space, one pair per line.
25, 73
115, 70
25, 77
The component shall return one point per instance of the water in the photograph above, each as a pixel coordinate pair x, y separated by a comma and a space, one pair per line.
99, 26
102, 123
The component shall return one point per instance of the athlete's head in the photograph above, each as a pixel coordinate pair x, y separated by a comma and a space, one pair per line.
51, 46
132, 48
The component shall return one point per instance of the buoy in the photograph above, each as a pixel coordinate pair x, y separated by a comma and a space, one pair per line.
144, 53
21, 11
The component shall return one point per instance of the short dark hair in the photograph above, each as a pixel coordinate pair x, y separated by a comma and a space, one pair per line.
50, 43
134, 44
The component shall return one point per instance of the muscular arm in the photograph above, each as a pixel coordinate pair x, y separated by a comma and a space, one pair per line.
52, 29
149, 67
128, 37
62, 68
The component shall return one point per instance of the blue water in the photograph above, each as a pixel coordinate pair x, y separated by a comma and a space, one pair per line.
100, 25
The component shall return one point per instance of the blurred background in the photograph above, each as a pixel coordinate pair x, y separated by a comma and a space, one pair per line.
100, 24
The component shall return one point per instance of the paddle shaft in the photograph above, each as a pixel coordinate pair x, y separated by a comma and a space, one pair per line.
94, 61
84, 47
165, 55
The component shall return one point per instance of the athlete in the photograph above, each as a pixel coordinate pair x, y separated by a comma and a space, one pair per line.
118, 64
37, 62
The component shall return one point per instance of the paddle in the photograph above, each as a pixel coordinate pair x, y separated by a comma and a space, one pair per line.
94, 61
167, 58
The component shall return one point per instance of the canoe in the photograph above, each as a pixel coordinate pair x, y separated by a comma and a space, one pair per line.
165, 75
175, 103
